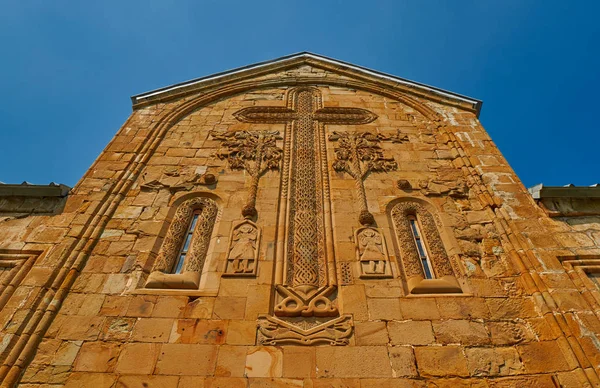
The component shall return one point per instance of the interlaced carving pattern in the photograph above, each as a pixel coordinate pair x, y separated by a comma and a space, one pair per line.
306, 223
408, 249
200, 240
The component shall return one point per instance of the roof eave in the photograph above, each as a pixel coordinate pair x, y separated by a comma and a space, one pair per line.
148, 96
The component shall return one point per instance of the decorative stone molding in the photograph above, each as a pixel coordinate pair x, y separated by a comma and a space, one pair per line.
358, 154
253, 151
242, 253
312, 304
167, 255
444, 281
432, 187
274, 331
372, 254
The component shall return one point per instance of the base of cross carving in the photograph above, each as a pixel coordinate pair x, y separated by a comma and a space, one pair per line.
304, 331
296, 303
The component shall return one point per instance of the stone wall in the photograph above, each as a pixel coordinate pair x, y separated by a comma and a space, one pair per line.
82, 315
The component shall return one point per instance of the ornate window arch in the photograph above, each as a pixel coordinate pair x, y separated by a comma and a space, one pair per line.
184, 249
423, 255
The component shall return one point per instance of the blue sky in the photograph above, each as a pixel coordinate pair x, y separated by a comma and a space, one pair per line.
68, 68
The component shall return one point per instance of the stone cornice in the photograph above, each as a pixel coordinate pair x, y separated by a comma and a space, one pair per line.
297, 60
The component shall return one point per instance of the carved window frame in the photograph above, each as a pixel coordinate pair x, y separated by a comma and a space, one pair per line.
444, 280
162, 276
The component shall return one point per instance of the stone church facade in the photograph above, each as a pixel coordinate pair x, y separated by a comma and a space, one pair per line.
302, 222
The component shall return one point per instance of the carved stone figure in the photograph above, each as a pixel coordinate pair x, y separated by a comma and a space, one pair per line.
358, 154
372, 253
242, 258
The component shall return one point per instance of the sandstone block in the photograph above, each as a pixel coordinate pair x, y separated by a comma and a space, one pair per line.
403, 361
419, 308
441, 361
493, 361
264, 362
186, 359
299, 362
371, 333
137, 358
86, 379
152, 330
231, 361
384, 309
353, 361
241, 333
542, 357
198, 331
229, 307
97, 357
147, 381
410, 333
460, 332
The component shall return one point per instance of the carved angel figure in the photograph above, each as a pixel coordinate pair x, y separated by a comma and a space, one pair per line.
371, 250
243, 249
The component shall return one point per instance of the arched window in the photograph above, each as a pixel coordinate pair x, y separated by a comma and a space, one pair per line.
422, 251
421, 247
185, 246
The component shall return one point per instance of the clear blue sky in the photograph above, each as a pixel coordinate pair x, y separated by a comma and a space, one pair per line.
69, 67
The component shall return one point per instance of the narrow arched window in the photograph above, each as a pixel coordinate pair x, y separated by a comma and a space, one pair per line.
422, 253
421, 247
186, 244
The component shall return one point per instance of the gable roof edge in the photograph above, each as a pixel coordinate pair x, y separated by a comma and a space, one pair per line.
135, 99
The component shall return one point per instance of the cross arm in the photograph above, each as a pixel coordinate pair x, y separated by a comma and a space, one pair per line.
265, 114
340, 115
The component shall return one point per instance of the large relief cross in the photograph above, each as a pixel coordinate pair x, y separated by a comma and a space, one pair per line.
306, 249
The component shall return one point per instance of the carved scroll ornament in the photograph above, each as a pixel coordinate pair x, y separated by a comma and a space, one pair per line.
273, 331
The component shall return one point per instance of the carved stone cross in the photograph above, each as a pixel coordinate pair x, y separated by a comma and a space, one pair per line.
306, 250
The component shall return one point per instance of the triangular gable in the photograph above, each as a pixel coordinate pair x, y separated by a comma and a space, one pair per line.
296, 60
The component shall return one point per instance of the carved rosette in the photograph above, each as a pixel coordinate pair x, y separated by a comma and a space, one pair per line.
242, 253
408, 249
372, 254
200, 241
